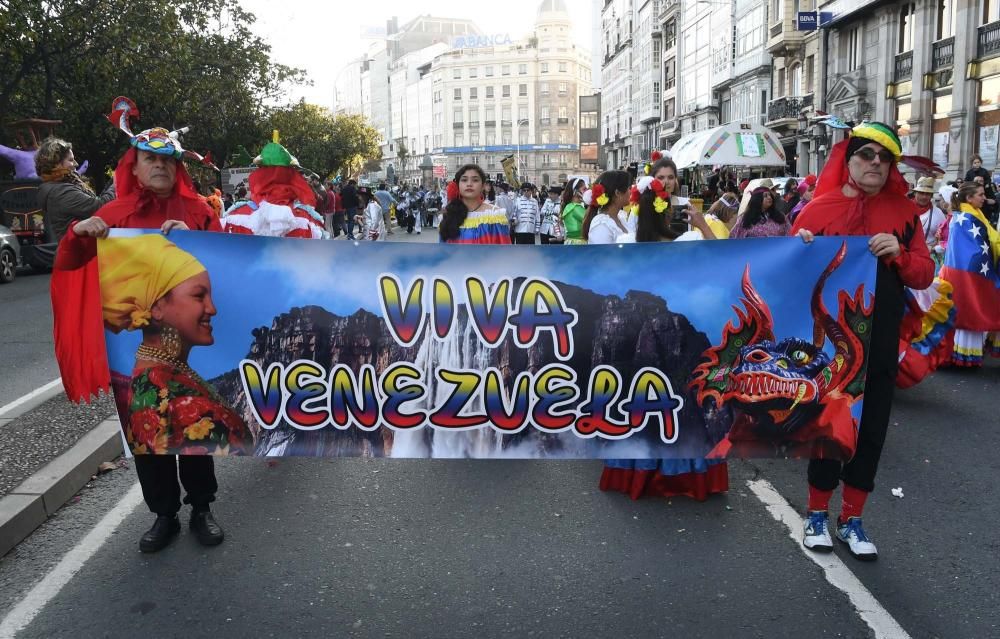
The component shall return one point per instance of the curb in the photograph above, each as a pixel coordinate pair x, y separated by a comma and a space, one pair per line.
39, 496
30, 402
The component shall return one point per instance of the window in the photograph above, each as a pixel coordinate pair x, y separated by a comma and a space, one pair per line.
669, 72
489, 71
458, 94
491, 138
456, 73
545, 136
670, 35
473, 117
991, 11
796, 73
543, 88
438, 138
946, 16
563, 67
656, 94
491, 114
505, 114
522, 90
545, 115
456, 116
473, 72
473, 93
506, 91
505, 69
489, 92
779, 88
545, 67
474, 138
506, 138
562, 136
427, 143
854, 49
563, 113
522, 137
906, 19
459, 139
522, 112
563, 88
810, 70
522, 69
437, 96
777, 11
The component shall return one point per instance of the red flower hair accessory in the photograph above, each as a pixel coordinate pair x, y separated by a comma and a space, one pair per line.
452, 191
599, 196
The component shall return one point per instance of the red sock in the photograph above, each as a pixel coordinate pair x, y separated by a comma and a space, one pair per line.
854, 502
819, 500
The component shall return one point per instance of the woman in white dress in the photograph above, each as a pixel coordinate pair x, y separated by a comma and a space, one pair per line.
605, 222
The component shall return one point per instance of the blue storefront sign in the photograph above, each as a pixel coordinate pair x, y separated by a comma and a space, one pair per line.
506, 148
807, 21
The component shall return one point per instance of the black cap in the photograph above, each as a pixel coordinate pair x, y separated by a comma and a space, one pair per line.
527, 185
555, 189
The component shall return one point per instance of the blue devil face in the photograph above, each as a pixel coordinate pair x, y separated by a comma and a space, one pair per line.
779, 383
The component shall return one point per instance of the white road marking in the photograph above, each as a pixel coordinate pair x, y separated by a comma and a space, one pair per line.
839, 576
30, 396
44, 591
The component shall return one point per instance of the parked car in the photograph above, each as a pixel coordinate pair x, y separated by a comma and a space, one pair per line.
10, 255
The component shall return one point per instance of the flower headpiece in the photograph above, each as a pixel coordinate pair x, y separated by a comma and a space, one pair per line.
452, 191
599, 196
662, 201
155, 140
654, 157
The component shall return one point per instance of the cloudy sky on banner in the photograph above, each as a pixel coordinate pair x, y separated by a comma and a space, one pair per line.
256, 279
321, 36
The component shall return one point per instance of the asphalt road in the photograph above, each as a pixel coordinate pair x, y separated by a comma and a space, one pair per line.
396, 548
26, 356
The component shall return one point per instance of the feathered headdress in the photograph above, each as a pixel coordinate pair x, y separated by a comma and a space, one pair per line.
155, 140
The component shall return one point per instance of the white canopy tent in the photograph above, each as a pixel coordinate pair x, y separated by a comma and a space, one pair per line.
734, 144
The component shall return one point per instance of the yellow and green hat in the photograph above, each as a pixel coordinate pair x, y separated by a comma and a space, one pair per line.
878, 132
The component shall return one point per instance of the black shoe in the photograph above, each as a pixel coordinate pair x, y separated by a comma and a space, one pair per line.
208, 532
164, 529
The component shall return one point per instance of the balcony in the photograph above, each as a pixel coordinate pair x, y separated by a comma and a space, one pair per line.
545, 121
506, 123
989, 40
783, 38
943, 53
458, 125
491, 124
782, 110
562, 121
904, 66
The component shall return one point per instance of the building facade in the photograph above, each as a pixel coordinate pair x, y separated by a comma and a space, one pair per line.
617, 27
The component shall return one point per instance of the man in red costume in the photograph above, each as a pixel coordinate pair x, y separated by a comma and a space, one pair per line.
154, 192
861, 192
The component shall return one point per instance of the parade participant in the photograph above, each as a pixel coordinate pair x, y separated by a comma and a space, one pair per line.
806, 190
572, 210
387, 202
490, 192
695, 477
154, 192
605, 222
64, 196
761, 218
684, 217
371, 219
468, 218
724, 209
970, 267
349, 196
861, 192
506, 201
550, 227
527, 217
931, 217
281, 201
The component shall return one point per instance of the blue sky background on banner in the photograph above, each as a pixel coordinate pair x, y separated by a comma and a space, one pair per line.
255, 279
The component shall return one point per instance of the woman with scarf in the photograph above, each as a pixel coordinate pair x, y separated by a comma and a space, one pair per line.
861, 192
64, 196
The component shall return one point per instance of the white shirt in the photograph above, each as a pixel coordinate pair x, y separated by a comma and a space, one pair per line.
374, 223
526, 215
930, 220
604, 230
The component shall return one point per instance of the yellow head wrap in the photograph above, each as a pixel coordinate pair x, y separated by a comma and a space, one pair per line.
137, 271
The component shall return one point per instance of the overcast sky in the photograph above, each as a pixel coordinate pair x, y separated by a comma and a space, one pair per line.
321, 36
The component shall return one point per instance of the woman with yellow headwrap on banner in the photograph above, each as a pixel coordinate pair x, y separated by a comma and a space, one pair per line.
150, 285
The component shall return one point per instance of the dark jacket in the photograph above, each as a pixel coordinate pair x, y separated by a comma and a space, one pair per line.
63, 202
349, 195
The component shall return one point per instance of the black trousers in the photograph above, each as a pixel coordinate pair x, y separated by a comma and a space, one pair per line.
524, 238
160, 488
825, 474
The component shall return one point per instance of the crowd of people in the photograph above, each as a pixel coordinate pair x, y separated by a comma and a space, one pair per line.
860, 192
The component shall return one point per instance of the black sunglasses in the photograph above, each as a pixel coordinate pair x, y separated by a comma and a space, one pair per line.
868, 154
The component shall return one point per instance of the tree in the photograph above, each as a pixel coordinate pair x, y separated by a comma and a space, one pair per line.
184, 62
324, 143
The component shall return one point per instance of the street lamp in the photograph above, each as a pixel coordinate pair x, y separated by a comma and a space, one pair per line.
517, 135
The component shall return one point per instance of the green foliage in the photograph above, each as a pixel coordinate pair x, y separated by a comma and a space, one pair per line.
190, 63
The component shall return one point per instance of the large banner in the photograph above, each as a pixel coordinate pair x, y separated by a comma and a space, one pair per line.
228, 344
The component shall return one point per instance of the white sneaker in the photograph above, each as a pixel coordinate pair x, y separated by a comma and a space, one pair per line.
853, 534
817, 532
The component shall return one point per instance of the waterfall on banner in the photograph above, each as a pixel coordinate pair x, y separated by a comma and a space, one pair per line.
460, 350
